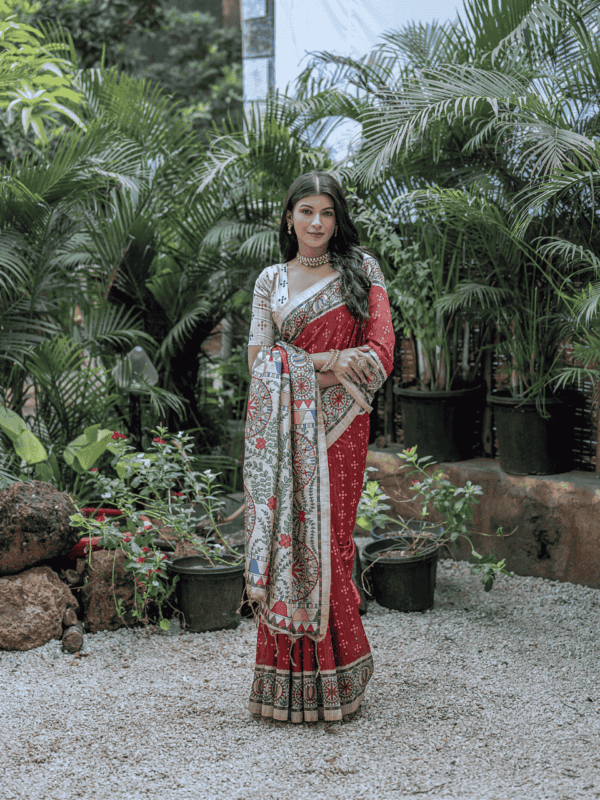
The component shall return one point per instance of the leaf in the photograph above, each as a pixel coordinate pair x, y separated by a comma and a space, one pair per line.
87, 456
165, 624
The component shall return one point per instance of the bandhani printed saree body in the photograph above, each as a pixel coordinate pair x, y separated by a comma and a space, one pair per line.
303, 471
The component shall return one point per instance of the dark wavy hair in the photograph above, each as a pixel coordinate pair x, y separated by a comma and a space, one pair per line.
346, 253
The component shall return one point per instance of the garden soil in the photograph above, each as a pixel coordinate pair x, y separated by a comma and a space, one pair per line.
487, 696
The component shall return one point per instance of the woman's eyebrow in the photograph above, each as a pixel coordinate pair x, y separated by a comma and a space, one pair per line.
308, 205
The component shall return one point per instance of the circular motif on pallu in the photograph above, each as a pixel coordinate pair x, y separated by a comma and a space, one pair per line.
305, 572
305, 461
259, 408
249, 514
257, 688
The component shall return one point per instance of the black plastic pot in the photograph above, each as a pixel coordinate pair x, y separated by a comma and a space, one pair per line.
529, 444
403, 583
442, 424
207, 596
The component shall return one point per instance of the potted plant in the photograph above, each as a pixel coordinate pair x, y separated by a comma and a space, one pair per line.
162, 488
403, 566
518, 295
441, 405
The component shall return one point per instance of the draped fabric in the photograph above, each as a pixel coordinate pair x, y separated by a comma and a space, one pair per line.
302, 490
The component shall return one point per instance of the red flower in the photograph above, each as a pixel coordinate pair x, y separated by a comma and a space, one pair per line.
94, 469
272, 503
302, 516
100, 518
178, 494
163, 557
159, 441
117, 435
260, 443
414, 483
140, 560
145, 549
285, 540
159, 571
127, 538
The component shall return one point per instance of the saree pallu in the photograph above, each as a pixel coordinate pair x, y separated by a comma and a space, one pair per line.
305, 458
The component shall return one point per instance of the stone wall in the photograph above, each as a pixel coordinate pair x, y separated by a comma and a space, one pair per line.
555, 518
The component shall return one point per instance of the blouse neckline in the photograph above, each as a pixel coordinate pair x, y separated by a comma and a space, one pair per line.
289, 305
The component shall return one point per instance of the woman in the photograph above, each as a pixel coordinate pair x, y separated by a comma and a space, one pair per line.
321, 343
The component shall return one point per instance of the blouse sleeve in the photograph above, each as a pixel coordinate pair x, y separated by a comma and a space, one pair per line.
378, 336
379, 332
262, 329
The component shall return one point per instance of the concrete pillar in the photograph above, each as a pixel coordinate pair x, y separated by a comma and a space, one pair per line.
258, 49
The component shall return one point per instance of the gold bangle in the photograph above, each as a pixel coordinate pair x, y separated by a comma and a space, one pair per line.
334, 355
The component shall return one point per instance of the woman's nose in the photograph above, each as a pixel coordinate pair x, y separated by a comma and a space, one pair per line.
317, 221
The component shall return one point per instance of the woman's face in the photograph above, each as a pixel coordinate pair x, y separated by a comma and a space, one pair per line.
313, 219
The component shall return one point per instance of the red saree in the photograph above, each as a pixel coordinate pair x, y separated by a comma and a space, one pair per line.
305, 458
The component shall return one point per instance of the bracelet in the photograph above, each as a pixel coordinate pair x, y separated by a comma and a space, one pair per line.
335, 354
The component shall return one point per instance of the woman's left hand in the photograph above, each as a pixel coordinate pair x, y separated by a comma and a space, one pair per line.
355, 363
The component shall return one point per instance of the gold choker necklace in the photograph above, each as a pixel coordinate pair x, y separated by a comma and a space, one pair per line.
317, 261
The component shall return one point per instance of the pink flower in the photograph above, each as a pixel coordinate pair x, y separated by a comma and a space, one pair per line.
140, 560
94, 469
302, 516
272, 503
414, 483
260, 443
145, 549
285, 540
117, 435
159, 441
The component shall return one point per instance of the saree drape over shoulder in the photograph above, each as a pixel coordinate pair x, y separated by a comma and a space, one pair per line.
303, 471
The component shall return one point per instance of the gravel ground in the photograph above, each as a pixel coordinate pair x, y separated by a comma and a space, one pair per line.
487, 696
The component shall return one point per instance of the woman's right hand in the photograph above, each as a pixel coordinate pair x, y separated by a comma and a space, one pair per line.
355, 364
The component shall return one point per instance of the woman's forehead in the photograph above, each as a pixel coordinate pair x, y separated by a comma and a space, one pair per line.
321, 201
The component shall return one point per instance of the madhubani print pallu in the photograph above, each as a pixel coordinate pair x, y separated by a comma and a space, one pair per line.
304, 463
287, 495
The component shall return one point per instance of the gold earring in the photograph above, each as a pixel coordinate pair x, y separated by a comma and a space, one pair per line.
289, 228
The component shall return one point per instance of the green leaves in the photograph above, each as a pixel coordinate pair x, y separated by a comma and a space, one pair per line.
83, 452
26, 445
34, 81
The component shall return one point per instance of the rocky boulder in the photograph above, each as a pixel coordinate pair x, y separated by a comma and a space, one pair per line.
34, 525
32, 606
97, 595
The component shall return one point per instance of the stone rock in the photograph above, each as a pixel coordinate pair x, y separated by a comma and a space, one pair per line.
32, 607
97, 595
34, 525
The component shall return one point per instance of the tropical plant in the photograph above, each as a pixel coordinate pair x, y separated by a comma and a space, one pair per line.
187, 53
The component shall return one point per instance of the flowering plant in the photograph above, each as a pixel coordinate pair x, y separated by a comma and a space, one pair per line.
150, 491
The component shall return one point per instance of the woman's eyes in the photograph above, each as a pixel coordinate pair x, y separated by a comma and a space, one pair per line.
324, 214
